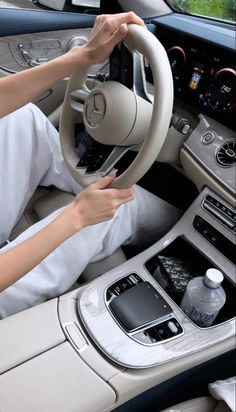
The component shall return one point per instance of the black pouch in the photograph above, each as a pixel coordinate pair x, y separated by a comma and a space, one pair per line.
173, 274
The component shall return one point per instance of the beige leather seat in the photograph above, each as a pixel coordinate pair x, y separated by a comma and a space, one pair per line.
201, 404
45, 201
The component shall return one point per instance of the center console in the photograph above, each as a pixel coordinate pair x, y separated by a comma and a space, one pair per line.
123, 332
156, 330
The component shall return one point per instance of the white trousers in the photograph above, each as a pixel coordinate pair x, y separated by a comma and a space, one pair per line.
30, 155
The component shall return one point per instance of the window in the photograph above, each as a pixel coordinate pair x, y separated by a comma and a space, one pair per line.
218, 9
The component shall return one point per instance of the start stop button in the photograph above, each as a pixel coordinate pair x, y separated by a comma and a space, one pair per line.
207, 138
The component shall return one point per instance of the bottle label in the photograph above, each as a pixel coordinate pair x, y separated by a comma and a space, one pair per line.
201, 318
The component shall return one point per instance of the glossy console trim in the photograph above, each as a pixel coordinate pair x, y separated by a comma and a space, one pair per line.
115, 343
206, 154
134, 333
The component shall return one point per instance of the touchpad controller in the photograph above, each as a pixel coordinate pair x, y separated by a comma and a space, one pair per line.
139, 306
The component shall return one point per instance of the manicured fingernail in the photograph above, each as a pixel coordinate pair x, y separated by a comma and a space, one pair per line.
113, 172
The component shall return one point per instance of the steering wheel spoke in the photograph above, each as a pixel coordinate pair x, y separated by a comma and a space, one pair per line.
77, 99
139, 82
115, 156
100, 158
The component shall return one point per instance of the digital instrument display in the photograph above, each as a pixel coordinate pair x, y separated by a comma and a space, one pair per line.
204, 74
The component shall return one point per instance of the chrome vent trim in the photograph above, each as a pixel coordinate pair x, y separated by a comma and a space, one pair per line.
226, 154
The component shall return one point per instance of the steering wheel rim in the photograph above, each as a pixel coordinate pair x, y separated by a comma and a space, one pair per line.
140, 40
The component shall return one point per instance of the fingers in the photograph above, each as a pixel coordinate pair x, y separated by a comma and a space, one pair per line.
98, 203
116, 27
118, 36
129, 17
120, 201
108, 30
115, 196
104, 182
121, 194
117, 23
116, 20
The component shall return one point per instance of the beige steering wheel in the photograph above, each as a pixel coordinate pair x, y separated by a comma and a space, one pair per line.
119, 117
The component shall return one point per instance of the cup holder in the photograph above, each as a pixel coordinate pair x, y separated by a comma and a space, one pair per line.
178, 263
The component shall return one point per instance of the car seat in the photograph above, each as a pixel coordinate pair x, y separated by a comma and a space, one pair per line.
201, 404
222, 399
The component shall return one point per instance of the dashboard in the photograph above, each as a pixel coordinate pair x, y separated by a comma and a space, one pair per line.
204, 73
202, 60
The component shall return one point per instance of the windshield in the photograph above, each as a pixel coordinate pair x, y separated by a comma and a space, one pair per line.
218, 9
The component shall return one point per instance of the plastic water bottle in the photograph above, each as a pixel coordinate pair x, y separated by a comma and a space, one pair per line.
204, 297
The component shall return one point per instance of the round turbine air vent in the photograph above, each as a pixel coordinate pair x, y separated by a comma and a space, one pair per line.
226, 154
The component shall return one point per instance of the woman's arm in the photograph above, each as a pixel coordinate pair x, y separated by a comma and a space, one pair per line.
21, 88
16, 262
18, 89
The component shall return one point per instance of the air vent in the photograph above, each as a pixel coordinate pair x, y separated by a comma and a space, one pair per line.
226, 154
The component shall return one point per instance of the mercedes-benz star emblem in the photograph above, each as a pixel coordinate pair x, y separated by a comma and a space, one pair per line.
95, 109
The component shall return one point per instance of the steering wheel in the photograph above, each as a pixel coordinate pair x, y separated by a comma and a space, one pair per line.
118, 117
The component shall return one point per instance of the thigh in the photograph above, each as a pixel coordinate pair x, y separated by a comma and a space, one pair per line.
18, 179
30, 155
14, 170
61, 268
139, 221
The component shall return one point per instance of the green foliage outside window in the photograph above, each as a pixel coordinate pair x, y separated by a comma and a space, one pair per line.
219, 9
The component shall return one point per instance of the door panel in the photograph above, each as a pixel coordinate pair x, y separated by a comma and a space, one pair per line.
20, 21
40, 45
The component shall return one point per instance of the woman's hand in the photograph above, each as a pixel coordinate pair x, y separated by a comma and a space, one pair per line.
96, 204
108, 31
23, 87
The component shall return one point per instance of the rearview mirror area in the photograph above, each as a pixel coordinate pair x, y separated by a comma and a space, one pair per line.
53, 4
80, 6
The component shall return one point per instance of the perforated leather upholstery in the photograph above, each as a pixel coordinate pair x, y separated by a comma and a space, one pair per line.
201, 404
